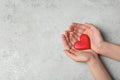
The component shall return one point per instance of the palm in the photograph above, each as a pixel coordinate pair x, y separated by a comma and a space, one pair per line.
77, 55
91, 31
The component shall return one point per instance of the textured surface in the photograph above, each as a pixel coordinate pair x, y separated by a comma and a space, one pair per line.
30, 31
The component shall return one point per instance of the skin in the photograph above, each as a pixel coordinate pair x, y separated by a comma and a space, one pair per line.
98, 44
87, 56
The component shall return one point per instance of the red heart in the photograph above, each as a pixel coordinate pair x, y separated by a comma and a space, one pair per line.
83, 44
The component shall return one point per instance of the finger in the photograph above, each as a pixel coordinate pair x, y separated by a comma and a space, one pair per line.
74, 51
79, 55
79, 30
81, 27
77, 51
92, 26
66, 46
68, 38
74, 23
73, 35
77, 36
72, 26
76, 27
73, 39
92, 29
71, 55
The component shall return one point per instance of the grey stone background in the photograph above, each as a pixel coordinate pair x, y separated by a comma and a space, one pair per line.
30, 37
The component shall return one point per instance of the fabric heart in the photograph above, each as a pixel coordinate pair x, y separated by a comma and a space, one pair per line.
83, 44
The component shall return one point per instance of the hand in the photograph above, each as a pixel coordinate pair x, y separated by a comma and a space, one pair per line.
91, 31
87, 56
77, 55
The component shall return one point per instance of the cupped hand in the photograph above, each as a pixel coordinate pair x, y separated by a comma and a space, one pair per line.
89, 29
69, 39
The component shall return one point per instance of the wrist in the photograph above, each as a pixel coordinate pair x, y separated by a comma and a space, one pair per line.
102, 47
93, 60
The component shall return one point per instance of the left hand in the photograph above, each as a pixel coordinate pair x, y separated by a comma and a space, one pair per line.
93, 32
